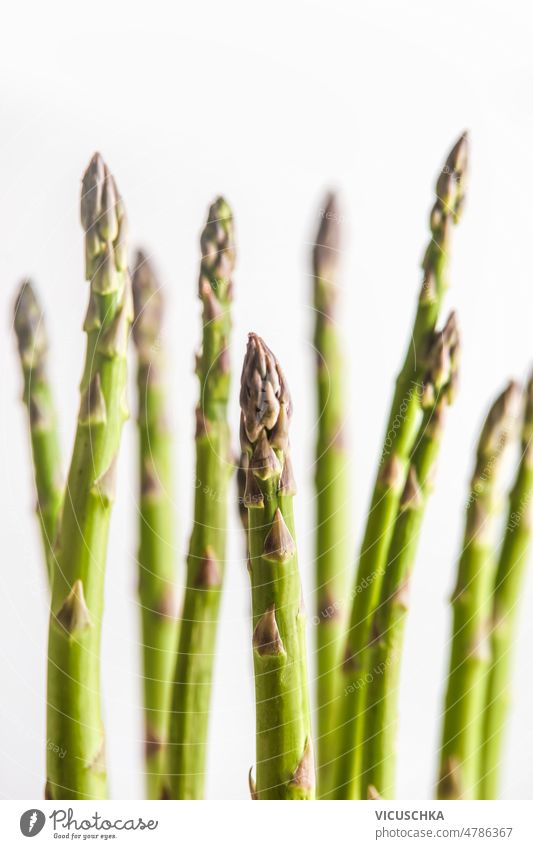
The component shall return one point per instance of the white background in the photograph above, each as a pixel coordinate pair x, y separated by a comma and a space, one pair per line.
270, 105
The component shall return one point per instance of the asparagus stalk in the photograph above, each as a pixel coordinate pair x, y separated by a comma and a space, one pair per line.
471, 601
156, 537
205, 564
32, 342
390, 616
331, 472
401, 431
74, 709
285, 767
505, 600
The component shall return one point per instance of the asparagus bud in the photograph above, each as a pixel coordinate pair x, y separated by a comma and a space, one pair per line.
447, 209
326, 257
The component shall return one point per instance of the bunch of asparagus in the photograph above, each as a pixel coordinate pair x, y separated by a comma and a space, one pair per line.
359, 633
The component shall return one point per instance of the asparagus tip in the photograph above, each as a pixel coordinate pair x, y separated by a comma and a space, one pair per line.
28, 323
501, 419
457, 160
509, 399
104, 221
451, 185
147, 302
264, 392
95, 176
218, 251
327, 239
220, 212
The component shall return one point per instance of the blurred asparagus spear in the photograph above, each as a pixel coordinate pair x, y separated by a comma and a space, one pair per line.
156, 532
460, 754
32, 342
207, 548
505, 602
391, 612
331, 483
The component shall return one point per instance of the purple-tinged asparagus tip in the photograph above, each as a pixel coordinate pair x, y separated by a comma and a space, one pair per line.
501, 420
147, 302
328, 240
264, 393
29, 325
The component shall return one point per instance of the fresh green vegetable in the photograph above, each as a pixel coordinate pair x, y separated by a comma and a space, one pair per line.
391, 612
401, 431
285, 764
207, 549
74, 710
505, 603
156, 531
32, 342
460, 754
331, 483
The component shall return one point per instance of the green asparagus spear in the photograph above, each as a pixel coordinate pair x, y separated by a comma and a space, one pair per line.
389, 619
331, 478
471, 601
207, 549
505, 602
285, 765
33, 352
74, 709
156, 536
402, 428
